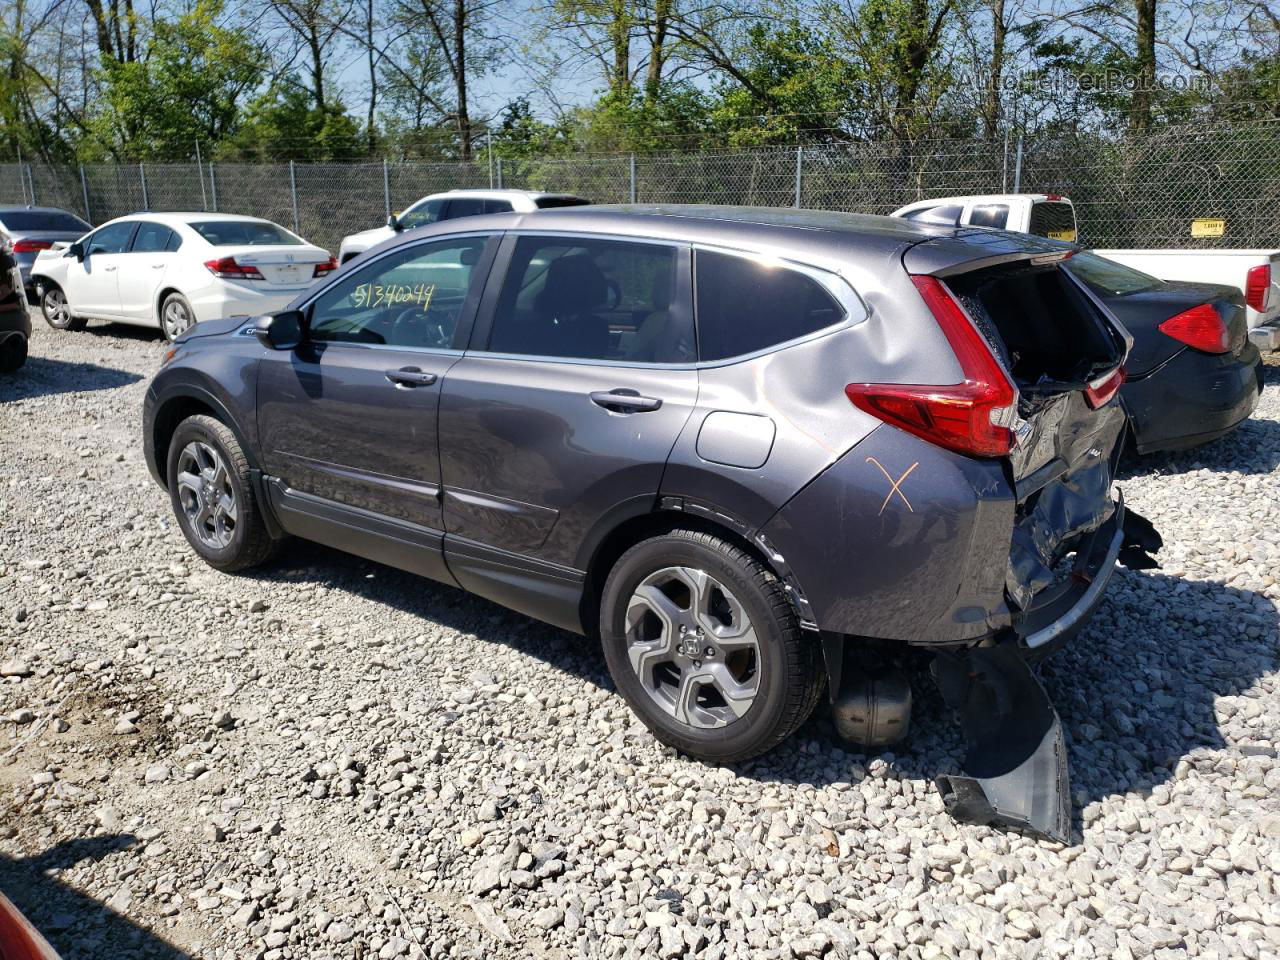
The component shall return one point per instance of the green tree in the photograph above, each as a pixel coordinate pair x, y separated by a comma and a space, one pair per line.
283, 123
188, 87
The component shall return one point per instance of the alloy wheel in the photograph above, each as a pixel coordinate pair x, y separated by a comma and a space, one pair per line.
208, 499
56, 310
693, 646
176, 318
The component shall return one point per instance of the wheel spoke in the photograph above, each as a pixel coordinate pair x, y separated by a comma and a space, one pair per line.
189, 481
227, 507
646, 654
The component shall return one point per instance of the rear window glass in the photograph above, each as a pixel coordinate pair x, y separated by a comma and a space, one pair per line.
58, 220
547, 203
994, 215
745, 304
152, 238
1054, 220
1045, 327
252, 233
1108, 278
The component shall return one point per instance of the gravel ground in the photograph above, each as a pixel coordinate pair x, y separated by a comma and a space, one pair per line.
331, 759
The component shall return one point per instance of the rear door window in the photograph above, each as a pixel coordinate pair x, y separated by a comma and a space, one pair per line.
745, 304
463, 207
1053, 219
151, 238
592, 299
548, 203
995, 215
497, 206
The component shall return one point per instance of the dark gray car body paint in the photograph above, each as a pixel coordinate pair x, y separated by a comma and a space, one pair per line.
875, 532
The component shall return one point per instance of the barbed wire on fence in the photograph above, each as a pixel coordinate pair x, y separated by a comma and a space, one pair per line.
1142, 189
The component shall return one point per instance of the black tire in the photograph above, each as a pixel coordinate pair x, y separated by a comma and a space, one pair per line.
248, 542
176, 316
13, 352
787, 665
56, 313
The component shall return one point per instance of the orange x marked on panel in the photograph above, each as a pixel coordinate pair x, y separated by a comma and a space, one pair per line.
895, 485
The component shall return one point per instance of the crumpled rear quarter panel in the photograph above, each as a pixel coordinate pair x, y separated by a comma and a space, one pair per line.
922, 563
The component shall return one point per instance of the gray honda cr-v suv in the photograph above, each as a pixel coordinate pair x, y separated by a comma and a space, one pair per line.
746, 448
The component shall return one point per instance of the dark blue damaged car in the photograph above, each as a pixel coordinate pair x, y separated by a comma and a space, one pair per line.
757, 453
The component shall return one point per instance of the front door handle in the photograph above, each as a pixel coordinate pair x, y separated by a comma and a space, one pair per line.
410, 377
157, 266
626, 401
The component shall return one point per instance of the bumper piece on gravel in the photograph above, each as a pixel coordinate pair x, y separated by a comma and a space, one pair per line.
1015, 767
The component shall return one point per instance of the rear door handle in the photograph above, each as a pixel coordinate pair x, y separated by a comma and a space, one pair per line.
410, 377
157, 266
107, 269
625, 400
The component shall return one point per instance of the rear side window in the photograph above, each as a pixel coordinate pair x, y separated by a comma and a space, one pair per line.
463, 207
1054, 220
947, 215
252, 233
746, 304
994, 215
497, 206
151, 238
585, 298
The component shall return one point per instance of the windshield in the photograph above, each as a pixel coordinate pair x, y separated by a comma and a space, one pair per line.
60, 220
250, 233
1109, 278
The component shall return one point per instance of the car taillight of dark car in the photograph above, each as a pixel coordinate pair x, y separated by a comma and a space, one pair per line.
31, 246
1200, 327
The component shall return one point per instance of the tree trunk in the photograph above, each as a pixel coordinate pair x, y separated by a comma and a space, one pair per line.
460, 77
1140, 105
657, 53
373, 78
317, 65
620, 39
991, 104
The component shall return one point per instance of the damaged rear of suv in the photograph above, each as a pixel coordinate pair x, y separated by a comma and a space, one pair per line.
995, 537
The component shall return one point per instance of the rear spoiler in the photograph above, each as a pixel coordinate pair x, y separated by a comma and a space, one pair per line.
974, 248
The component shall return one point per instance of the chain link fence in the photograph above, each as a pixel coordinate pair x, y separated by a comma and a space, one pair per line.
1138, 190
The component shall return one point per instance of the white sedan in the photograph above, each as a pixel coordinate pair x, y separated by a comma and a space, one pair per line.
170, 270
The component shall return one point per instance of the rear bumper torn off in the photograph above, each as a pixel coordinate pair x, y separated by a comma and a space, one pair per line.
1015, 767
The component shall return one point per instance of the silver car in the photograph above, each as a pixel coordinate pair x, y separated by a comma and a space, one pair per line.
28, 230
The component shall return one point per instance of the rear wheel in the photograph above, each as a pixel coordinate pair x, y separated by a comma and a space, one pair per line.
213, 498
702, 641
176, 316
57, 312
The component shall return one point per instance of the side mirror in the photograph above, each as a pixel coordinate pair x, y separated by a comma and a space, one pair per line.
394, 223
280, 331
75, 250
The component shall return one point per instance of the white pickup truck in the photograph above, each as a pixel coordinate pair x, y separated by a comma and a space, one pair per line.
1255, 272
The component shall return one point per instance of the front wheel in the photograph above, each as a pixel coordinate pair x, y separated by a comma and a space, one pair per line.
57, 312
213, 498
702, 641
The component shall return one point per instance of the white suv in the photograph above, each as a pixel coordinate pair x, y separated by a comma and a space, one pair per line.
450, 206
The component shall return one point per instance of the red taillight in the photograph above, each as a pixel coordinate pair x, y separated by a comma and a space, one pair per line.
1257, 285
1098, 392
227, 269
31, 246
973, 417
1200, 327
325, 268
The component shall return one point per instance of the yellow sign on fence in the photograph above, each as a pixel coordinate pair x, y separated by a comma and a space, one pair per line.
1208, 228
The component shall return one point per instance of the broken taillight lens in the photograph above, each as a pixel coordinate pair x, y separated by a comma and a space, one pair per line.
226, 268
1257, 285
1099, 391
973, 417
1200, 327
